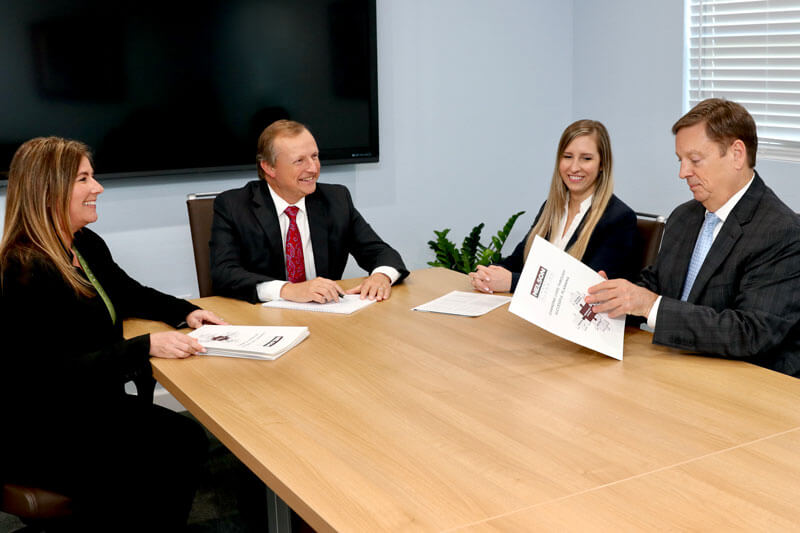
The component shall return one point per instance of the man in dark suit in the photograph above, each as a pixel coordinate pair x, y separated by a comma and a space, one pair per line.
727, 278
286, 236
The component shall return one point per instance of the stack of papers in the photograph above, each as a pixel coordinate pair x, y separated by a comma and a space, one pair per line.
346, 305
251, 342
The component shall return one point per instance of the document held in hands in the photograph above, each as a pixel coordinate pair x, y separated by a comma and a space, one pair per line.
251, 342
551, 294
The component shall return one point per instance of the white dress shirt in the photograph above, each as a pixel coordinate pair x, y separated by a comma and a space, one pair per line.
558, 237
271, 290
722, 213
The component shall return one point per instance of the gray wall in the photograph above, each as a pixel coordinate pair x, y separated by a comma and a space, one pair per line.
473, 96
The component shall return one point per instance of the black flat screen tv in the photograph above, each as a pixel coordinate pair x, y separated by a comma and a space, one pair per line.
167, 87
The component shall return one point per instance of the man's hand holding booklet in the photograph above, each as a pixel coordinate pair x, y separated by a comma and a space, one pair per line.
551, 293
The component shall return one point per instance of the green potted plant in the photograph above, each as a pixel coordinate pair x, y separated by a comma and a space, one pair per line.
472, 252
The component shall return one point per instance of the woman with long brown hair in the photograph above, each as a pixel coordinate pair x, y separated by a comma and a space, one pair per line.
581, 214
69, 425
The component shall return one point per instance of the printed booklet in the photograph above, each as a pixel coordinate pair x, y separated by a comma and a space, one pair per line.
251, 342
551, 294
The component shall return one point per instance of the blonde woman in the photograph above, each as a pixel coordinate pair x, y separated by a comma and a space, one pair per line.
581, 215
69, 424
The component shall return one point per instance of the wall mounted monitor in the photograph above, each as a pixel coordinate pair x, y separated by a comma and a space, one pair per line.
159, 87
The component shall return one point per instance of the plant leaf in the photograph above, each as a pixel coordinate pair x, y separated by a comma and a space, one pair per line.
472, 252
486, 257
445, 250
502, 235
469, 248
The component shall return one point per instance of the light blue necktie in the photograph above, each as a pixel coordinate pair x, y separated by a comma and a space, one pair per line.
701, 248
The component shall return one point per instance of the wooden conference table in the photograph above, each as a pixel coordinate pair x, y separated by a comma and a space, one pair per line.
397, 420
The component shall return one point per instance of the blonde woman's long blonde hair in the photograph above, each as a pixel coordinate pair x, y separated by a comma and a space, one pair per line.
37, 224
557, 198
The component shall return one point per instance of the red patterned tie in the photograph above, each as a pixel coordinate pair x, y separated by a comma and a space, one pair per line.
295, 263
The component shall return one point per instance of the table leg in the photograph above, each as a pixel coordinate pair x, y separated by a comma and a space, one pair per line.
278, 514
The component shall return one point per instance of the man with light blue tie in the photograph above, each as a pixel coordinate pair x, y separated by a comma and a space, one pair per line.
727, 278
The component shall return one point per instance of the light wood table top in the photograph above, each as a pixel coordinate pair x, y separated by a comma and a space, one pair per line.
396, 420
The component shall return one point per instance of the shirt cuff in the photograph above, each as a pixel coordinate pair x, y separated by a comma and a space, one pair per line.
392, 272
651, 316
270, 290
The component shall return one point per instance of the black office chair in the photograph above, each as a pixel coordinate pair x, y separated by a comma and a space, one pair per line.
201, 213
651, 230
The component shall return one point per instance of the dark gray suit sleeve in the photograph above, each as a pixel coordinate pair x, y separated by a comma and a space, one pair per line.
758, 303
228, 276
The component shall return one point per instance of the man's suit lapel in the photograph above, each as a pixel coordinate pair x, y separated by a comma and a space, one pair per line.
318, 226
723, 244
267, 216
682, 250
726, 239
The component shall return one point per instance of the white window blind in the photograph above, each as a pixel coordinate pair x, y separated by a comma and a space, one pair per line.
749, 52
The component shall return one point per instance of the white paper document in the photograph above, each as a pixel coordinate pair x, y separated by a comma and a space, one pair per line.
464, 303
347, 304
251, 342
551, 294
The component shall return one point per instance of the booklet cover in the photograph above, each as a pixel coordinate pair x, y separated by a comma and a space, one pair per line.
251, 342
551, 293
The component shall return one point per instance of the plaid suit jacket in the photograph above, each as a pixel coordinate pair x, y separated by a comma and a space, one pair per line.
745, 302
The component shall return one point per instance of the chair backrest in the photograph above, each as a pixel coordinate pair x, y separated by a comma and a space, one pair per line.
651, 230
201, 213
